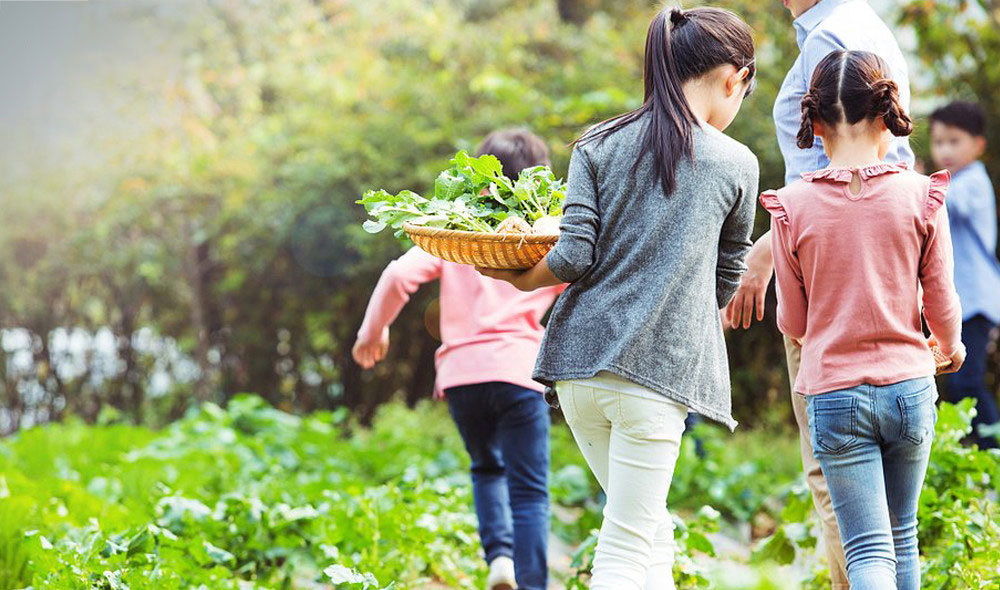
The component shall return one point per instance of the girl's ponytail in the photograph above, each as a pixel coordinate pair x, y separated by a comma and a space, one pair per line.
887, 103
671, 117
677, 16
680, 46
810, 112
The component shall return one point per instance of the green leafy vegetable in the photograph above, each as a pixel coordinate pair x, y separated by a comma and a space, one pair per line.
472, 195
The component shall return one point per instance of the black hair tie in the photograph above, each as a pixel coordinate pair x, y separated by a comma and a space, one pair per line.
678, 17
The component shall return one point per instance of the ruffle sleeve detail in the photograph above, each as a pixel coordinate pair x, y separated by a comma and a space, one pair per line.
769, 200
940, 181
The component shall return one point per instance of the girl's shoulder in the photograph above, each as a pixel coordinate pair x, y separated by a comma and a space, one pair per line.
937, 191
791, 194
779, 202
600, 137
723, 161
926, 193
716, 145
921, 194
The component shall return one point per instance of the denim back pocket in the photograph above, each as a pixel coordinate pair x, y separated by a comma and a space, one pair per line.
834, 422
919, 414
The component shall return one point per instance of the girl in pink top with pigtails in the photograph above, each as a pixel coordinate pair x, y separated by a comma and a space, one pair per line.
861, 250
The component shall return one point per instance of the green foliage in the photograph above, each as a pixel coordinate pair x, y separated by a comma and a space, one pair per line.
234, 233
246, 497
252, 497
737, 484
958, 515
797, 530
958, 44
473, 195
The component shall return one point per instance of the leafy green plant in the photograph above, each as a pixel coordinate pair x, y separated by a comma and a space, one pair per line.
246, 496
739, 485
959, 519
692, 537
796, 531
472, 194
250, 497
959, 516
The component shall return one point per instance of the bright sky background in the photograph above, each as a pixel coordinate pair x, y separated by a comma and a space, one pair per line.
72, 79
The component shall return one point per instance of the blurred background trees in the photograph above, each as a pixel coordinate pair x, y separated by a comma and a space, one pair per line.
224, 253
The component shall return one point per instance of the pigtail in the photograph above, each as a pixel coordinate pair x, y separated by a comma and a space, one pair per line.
810, 112
849, 87
886, 103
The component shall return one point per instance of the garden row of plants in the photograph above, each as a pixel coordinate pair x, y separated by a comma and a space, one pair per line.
252, 497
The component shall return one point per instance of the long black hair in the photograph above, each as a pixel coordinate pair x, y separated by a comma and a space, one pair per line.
680, 45
850, 86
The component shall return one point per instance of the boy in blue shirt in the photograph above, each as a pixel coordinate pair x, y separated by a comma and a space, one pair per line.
957, 142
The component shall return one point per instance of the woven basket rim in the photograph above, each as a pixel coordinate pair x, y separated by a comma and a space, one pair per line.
474, 236
940, 360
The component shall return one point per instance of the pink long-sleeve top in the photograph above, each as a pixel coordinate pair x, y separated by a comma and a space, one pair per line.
850, 268
490, 331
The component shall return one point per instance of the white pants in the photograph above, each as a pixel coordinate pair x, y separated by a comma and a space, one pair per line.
630, 437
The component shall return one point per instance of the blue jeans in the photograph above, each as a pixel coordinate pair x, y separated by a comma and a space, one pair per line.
505, 428
873, 444
970, 380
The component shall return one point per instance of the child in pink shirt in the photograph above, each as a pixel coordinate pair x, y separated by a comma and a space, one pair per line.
849, 269
859, 248
490, 333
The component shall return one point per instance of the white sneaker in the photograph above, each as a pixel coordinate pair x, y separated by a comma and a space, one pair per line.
501, 574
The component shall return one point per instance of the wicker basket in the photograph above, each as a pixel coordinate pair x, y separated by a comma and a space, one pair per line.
505, 251
941, 362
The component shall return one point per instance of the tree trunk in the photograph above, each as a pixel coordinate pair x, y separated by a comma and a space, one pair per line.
573, 11
52, 383
194, 271
132, 394
10, 397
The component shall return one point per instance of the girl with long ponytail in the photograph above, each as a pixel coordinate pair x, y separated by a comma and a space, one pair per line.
659, 209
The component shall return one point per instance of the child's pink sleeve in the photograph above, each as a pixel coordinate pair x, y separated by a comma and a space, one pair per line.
942, 309
792, 303
401, 278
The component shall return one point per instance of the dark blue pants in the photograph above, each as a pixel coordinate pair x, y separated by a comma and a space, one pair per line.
506, 431
970, 380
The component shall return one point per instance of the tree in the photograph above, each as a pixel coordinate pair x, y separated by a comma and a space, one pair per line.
235, 233
958, 42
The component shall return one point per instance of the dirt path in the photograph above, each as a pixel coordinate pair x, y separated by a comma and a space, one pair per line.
730, 569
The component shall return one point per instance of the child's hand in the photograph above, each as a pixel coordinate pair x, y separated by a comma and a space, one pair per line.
369, 352
514, 277
957, 360
957, 357
749, 298
535, 277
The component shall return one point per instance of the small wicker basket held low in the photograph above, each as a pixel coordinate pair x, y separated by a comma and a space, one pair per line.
504, 251
941, 362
